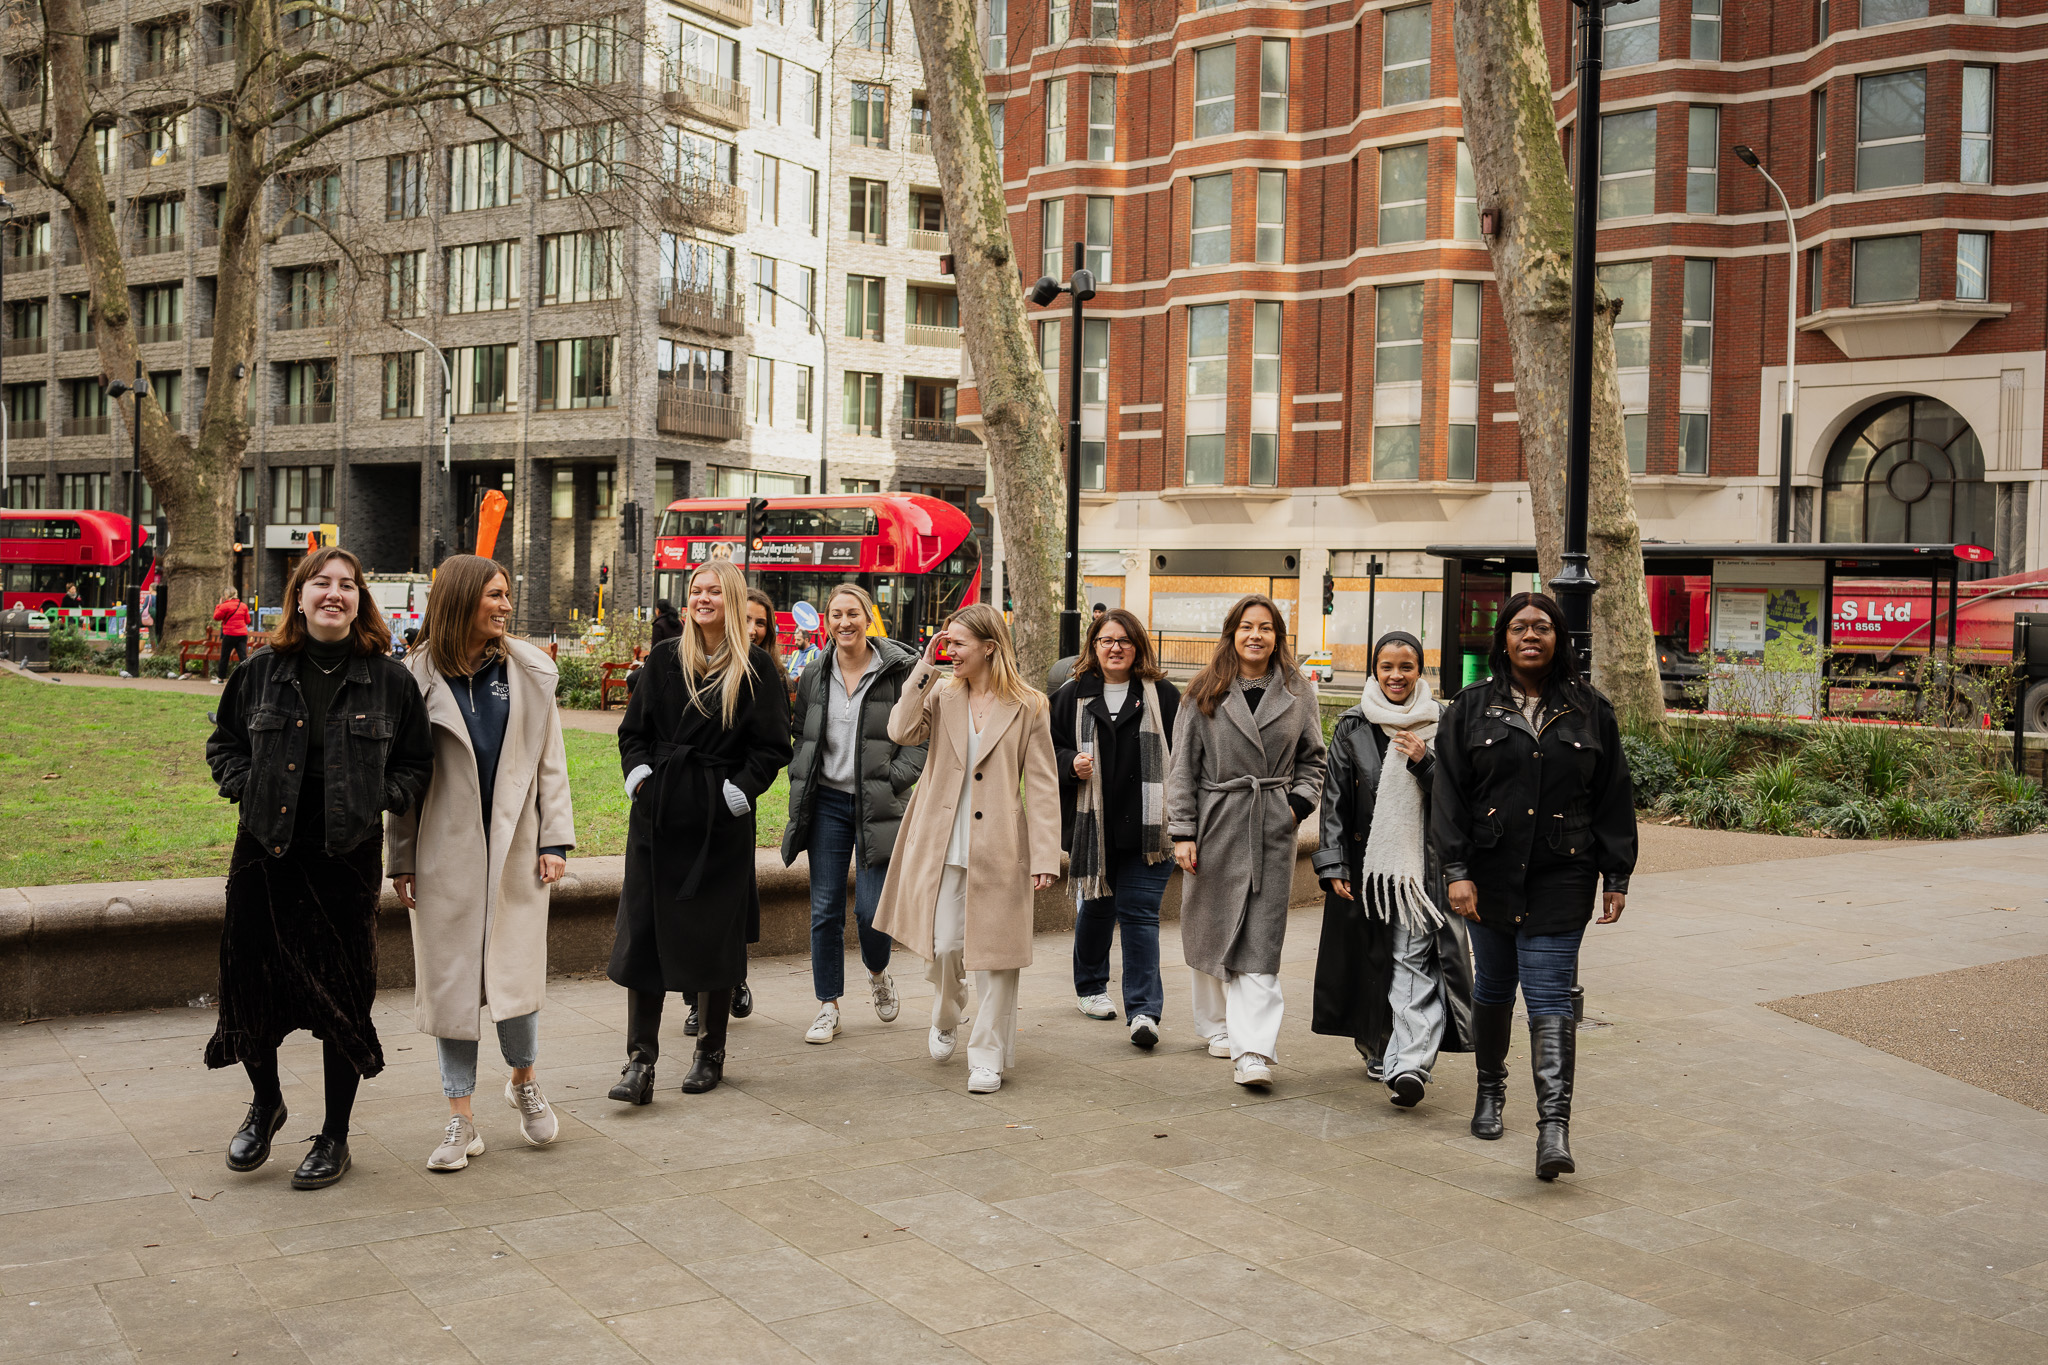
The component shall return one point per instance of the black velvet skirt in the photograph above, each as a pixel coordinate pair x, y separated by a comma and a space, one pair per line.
299, 950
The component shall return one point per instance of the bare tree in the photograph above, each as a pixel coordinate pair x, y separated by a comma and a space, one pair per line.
1510, 126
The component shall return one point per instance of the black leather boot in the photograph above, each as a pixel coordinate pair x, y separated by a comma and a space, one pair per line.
742, 1002
690, 1024
1553, 1054
714, 1008
643, 1045
249, 1148
325, 1164
1492, 1025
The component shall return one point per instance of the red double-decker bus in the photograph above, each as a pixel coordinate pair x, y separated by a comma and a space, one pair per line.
917, 556
41, 551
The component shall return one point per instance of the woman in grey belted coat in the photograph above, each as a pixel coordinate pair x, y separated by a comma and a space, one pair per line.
1248, 767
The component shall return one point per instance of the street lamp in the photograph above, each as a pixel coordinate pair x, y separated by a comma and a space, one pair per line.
1080, 289
1784, 537
824, 359
133, 593
6, 483
447, 432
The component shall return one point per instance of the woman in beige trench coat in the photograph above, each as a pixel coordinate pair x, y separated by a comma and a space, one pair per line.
970, 855
474, 860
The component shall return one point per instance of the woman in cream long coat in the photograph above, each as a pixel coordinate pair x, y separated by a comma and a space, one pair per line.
970, 854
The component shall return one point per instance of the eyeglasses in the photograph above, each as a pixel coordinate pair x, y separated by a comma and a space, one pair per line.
1105, 643
1538, 628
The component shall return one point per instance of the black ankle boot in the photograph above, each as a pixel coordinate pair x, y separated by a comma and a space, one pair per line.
327, 1163
714, 1008
643, 1045
249, 1148
742, 1002
1491, 1026
1553, 1055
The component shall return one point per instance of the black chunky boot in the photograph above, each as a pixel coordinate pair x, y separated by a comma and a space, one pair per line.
643, 1045
1553, 1054
714, 1008
249, 1148
1492, 1026
742, 1002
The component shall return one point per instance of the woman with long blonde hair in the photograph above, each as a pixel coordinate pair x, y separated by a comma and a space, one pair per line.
971, 854
703, 737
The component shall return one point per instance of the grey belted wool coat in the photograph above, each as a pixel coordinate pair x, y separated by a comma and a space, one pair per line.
1232, 775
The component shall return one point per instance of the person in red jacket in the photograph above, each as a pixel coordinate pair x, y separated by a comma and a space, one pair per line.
233, 615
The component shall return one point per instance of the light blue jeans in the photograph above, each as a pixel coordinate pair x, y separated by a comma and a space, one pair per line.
518, 1039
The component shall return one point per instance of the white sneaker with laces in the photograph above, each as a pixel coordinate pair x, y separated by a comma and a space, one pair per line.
883, 988
459, 1142
1144, 1032
982, 1081
1253, 1070
1219, 1046
537, 1121
1095, 1006
941, 1044
825, 1027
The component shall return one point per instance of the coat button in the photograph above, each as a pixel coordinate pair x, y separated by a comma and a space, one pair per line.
283, 809
299, 724
291, 767
977, 815
978, 777
277, 848
1532, 810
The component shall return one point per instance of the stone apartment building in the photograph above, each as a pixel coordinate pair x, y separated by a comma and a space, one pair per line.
786, 331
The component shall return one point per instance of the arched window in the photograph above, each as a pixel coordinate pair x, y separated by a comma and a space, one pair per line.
1909, 470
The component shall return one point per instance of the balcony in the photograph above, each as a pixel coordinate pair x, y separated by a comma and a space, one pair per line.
713, 204
717, 311
13, 346
158, 245
298, 222
165, 66
21, 265
21, 99
85, 426
213, 54
23, 431
919, 144
299, 319
703, 95
102, 80
78, 341
934, 429
212, 146
736, 12
924, 239
146, 157
206, 235
162, 332
71, 255
699, 412
924, 334
301, 414
202, 330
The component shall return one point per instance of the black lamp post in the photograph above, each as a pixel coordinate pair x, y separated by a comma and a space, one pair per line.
133, 586
1080, 289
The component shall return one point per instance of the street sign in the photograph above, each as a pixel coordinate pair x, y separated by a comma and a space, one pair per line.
1975, 554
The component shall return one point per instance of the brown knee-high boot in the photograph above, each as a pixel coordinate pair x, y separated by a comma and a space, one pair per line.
714, 1009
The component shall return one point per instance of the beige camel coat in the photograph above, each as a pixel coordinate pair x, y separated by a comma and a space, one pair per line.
480, 919
1012, 840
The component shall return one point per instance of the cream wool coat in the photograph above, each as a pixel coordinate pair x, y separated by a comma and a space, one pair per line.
1012, 840
480, 919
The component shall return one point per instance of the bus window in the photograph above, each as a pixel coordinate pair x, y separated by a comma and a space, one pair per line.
717, 521
799, 522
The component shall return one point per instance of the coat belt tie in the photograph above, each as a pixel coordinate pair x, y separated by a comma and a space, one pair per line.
1253, 784
674, 763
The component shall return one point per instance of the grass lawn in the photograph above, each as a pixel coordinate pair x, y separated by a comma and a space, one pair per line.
105, 784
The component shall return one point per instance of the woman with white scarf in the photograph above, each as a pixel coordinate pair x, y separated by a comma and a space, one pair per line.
1393, 972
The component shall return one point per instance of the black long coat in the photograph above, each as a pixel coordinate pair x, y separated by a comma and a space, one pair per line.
1355, 960
689, 891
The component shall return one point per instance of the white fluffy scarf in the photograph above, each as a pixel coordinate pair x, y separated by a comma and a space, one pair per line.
1393, 886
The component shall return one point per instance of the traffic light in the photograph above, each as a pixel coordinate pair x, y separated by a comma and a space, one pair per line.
1329, 594
604, 574
629, 528
244, 533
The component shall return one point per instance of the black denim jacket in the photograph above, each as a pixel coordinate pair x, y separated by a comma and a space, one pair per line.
379, 750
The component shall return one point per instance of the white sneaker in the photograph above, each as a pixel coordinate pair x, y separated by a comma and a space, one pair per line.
459, 1143
941, 1045
1144, 1032
825, 1027
982, 1081
537, 1121
1219, 1046
1253, 1070
883, 988
1095, 1006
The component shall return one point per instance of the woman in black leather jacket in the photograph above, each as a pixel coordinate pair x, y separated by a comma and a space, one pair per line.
1533, 811
1394, 970
318, 735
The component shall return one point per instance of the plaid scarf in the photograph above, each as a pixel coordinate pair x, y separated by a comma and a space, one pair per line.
1088, 863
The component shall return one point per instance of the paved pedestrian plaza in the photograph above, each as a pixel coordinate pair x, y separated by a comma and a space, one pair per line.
1752, 1189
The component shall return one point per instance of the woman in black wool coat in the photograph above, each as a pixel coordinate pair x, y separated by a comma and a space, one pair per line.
705, 733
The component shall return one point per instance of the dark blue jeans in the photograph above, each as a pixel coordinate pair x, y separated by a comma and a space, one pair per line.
1135, 905
834, 836
1544, 964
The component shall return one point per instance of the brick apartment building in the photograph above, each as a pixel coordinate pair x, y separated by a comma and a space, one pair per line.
798, 138
1297, 359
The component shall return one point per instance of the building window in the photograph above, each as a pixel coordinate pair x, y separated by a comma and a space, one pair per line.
861, 414
870, 115
1692, 442
1877, 12
998, 55
1404, 55
1813, 280
1397, 383
1706, 30
805, 204
701, 267
1628, 164
767, 189
767, 88
1887, 270
1215, 90
1273, 85
577, 373
1461, 459
803, 101
1101, 222
405, 186
1049, 360
1264, 468
703, 54
301, 495
1102, 20
1094, 362
1973, 266
25, 491
1820, 145
1891, 130
1976, 125
1465, 213
864, 307
578, 267
1983, 7
867, 214
692, 156
1631, 34
486, 378
745, 483
1404, 190
871, 25
83, 492
1271, 244
1209, 234
484, 277
1052, 237
402, 384
482, 175
1056, 121
1102, 118
1059, 22
693, 367
1696, 352
406, 285
1208, 392
562, 503
1820, 21
1630, 282
578, 160
764, 289
995, 126
1702, 158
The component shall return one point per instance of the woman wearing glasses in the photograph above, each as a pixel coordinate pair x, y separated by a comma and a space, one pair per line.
1111, 724
1532, 812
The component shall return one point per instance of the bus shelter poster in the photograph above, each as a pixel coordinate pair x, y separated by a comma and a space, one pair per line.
1766, 650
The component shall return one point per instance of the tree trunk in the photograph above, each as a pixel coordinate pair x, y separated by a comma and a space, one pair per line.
1019, 422
1511, 130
